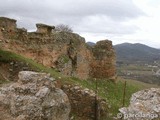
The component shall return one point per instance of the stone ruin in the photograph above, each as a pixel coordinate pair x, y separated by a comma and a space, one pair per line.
7, 24
36, 96
85, 103
42, 28
66, 52
7, 27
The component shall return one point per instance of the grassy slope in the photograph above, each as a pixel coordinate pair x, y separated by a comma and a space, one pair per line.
113, 92
7, 57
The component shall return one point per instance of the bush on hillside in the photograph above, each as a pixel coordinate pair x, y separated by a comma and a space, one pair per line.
65, 28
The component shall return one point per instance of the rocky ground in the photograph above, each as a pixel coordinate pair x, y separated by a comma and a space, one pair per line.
144, 105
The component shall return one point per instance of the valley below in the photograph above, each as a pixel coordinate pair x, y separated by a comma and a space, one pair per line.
148, 73
138, 62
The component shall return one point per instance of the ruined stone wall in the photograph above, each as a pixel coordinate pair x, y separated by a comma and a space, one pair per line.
66, 52
84, 58
7, 27
46, 29
1, 35
103, 64
85, 104
7, 23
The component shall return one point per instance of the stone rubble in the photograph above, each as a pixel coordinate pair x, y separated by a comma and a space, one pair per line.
34, 97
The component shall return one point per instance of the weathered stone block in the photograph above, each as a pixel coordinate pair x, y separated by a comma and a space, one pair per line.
32, 99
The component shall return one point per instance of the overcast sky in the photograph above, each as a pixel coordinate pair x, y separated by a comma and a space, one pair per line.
134, 21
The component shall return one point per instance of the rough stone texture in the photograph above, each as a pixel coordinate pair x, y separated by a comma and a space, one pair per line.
1, 36
7, 23
66, 52
85, 104
7, 27
144, 105
103, 65
34, 97
42, 28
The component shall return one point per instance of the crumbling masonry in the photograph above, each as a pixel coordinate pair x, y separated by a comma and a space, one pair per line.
66, 52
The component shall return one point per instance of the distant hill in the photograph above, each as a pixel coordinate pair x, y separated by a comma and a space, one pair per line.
136, 52
90, 43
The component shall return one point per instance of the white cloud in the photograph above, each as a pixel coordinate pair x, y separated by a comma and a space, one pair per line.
117, 20
69, 10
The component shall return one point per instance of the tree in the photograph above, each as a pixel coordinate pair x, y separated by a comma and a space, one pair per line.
62, 27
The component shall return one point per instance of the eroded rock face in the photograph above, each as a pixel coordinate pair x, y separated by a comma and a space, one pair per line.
66, 52
144, 105
34, 97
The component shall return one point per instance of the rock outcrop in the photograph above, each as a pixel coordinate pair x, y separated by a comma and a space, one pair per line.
64, 51
144, 105
33, 97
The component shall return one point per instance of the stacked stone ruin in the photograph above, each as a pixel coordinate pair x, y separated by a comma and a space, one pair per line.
66, 52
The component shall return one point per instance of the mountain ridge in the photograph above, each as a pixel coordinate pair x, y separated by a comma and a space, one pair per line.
136, 52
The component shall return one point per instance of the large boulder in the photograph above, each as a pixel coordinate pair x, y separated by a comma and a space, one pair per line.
144, 105
34, 97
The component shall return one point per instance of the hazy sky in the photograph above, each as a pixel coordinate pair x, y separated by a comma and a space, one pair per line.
117, 20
